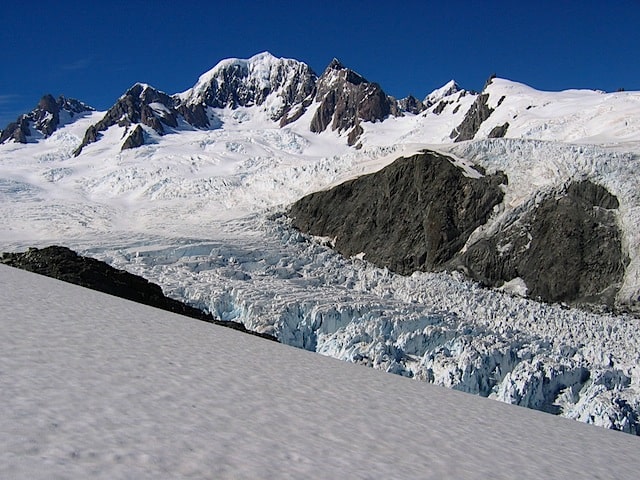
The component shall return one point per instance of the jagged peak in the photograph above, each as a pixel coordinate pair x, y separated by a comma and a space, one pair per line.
438, 94
335, 65
140, 89
336, 71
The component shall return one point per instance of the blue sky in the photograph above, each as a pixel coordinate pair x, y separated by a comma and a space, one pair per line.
94, 51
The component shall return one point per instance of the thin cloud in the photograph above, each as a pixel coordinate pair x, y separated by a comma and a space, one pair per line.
9, 98
80, 64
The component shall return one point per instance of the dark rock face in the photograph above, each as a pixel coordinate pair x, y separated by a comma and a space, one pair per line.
135, 107
499, 131
135, 138
346, 99
419, 212
17, 131
567, 248
477, 114
64, 264
412, 105
415, 214
195, 115
45, 118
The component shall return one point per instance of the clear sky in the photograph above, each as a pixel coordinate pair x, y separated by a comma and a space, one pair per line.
94, 51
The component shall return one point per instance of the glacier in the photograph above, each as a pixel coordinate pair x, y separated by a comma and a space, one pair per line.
201, 213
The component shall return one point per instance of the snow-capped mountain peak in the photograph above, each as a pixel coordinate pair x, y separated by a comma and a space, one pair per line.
276, 84
438, 94
44, 119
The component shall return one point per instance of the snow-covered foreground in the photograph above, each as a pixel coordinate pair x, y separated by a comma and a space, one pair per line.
92, 386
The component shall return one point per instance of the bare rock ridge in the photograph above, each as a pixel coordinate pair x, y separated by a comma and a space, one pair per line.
415, 214
66, 265
477, 114
418, 214
346, 98
140, 104
283, 88
45, 118
566, 248
475, 117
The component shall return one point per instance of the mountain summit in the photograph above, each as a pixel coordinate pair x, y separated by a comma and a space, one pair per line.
44, 119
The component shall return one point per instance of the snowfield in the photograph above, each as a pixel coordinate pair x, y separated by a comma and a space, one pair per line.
200, 212
93, 386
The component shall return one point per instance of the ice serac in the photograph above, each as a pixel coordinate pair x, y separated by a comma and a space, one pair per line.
141, 104
415, 214
346, 98
45, 118
283, 87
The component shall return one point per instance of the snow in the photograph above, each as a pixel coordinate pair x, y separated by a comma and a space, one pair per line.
448, 89
98, 387
199, 212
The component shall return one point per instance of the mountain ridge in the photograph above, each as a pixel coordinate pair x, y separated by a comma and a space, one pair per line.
284, 89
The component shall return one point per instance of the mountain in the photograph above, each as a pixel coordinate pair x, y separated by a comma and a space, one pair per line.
345, 99
283, 88
448, 244
45, 118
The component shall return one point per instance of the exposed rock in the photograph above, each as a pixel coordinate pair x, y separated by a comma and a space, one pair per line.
18, 131
566, 247
134, 139
44, 118
243, 83
499, 131
195, 115
477, 114
411, 104
346, 98
413, 215
140, 104
66, 265
440, 107
419, 212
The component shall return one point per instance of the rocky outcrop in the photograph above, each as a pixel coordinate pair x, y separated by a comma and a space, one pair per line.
415, 214
45, 118
566, 247
476, 115
419, 212
140, 104
346, 98
66, 265
412, 105
17, 131
499, 131
135, 139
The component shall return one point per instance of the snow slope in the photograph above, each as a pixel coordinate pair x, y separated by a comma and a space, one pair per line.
198, 212
93, 386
